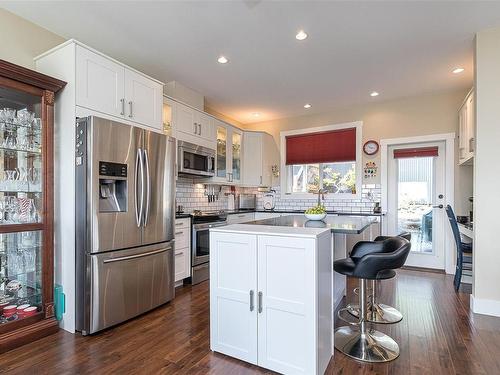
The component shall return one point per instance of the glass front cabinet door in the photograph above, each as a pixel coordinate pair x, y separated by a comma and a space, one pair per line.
26, 205
228, 158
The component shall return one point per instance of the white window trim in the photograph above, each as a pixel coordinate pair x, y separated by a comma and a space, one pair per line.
285, 194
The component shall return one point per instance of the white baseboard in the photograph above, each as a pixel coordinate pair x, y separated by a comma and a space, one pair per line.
485, 306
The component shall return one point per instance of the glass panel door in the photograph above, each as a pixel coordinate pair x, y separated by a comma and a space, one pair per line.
20, 159
20, 275
416, 190
21, 205
167, 116
221, 152
236, 156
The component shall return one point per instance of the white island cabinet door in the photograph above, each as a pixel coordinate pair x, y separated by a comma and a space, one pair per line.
286, 274
144, 100
99, 83
233, 283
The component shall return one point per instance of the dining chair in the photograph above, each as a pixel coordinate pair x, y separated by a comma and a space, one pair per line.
464, 251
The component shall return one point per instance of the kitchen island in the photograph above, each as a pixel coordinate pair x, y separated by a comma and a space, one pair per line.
273, 290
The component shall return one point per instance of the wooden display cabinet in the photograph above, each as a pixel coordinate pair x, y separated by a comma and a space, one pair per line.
26, 205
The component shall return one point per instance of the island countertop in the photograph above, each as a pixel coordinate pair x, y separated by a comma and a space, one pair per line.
337, 224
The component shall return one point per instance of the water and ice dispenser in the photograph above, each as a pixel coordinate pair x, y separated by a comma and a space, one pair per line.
112, 187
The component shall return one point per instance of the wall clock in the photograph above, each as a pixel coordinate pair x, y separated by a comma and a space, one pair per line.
370, 147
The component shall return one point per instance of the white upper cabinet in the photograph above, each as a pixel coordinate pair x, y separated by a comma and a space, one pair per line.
260, 154
466, 129
100, 83
111, 88
193, 126
205, 126
144, 99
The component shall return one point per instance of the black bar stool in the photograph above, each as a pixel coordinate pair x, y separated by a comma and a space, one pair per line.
369, 261
379, 312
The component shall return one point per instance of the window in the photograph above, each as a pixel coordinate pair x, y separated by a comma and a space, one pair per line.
336, 178
326, 158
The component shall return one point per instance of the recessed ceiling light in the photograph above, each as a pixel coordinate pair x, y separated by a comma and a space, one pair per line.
374, 93
301, 35
256, 114
457, 70
307, 106
222, 60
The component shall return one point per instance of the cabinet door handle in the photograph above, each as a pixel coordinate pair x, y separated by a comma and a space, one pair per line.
195, 128
251, 301
261, 180
178, 224
259, 302
177, 233
130, 107
122, 100
199, 129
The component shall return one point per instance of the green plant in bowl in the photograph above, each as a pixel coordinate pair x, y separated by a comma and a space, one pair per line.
316, 213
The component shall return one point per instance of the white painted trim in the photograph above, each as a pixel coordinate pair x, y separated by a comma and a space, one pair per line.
449, 139
485, 306
359, 162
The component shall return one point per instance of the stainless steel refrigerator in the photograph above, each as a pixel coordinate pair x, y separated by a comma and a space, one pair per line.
125, 191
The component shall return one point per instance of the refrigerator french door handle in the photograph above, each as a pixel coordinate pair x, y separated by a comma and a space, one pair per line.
148, 187
139, 199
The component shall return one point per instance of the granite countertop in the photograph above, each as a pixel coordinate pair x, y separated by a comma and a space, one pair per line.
337, 224
272, 230
278, 211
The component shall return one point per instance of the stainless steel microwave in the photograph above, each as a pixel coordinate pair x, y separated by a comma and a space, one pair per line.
195, 160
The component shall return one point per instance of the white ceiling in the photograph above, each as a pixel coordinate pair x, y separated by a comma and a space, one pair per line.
397, 48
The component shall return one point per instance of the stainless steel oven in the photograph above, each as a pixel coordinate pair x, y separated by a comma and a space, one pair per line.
195, 160
200, 243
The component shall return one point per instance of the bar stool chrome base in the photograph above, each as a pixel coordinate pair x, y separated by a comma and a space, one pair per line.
378, 313
370, 346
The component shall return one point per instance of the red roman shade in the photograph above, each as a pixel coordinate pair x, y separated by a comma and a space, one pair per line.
415, 152
322, 147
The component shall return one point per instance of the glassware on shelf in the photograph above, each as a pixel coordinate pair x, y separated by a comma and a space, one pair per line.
20, 276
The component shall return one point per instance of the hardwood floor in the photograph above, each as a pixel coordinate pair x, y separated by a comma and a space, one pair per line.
438, 335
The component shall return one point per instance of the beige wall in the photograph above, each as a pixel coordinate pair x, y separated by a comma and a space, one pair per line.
486, 285
21, 40
413, 116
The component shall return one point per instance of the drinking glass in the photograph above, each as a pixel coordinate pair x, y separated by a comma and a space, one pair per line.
9, 115
11, 179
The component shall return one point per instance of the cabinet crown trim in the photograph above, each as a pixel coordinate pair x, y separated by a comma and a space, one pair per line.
76, 42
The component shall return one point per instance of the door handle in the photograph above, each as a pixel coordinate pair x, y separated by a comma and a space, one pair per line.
259, 303
178, 233
138, 198
261, 180
135, 256
195, 128
199, 129
148, 187
130, 106
122, 100
438, 206
251, 301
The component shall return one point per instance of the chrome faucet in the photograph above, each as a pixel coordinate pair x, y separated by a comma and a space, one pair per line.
321, 195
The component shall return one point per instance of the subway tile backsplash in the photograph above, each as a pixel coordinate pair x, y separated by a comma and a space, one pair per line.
191, 196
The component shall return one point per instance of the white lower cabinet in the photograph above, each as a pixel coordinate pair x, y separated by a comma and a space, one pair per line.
182, 260
264, 305
233, 295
